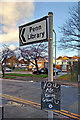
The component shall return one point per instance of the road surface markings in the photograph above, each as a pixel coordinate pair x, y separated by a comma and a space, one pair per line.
68, 114
21, 100
75, 114
62, 112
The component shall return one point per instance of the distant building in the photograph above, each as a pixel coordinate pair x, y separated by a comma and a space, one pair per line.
41, 64
62, 63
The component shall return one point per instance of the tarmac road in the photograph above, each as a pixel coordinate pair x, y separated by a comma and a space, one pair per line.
31, 91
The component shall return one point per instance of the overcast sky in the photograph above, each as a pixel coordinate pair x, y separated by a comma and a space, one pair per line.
13, 14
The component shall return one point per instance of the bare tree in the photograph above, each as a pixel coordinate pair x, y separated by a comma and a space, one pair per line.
5, 54
34, 52
70, 31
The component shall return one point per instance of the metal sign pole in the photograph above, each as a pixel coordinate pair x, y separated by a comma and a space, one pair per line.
55, 53
50, 55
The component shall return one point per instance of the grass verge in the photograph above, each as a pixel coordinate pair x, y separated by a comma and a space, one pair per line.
67, 77
9, 77
26, 75
41, 76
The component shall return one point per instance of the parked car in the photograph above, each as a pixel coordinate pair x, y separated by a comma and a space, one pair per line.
45, 71
8, 70
56, 70
35, 71
41, 71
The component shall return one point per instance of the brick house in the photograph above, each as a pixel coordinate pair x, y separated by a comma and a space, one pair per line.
62, 63
41, 64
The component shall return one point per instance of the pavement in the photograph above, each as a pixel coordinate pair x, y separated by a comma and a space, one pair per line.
68, 83
21, 72
27, 111
62, 82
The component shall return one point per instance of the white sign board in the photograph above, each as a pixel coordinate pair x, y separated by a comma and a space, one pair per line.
33, 32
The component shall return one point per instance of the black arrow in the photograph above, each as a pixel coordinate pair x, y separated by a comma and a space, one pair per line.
22, 35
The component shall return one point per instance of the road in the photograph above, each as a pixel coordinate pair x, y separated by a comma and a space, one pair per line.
25, 98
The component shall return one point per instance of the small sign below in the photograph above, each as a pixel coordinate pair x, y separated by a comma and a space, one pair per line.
33, 32
50, 97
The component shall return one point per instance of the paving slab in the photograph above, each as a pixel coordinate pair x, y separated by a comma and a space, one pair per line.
11, 111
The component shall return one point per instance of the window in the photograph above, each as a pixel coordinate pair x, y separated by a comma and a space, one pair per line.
64, 67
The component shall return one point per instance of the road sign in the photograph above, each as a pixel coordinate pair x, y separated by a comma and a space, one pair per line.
33, 32
50, 97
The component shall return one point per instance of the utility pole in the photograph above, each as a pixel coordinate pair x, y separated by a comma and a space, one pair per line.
50, 55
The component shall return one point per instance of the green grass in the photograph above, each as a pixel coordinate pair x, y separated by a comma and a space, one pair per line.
68, 77
26, 75
41, 76
18, 74
64, 76
9, 77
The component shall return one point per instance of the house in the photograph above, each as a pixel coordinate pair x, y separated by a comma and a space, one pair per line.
41, 63
11, 62
24, 64
63, 62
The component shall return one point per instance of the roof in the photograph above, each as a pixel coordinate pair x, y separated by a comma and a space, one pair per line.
65, 58
75, 57
59, 58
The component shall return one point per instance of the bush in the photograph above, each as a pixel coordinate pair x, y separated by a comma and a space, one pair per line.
74, 70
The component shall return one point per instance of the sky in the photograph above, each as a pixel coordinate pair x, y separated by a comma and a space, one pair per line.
14, 14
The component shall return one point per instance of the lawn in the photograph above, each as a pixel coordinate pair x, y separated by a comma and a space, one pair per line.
26, 75
9, 77
63, 77
67, 77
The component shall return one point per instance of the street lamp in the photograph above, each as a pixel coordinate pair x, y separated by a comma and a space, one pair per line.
55, 52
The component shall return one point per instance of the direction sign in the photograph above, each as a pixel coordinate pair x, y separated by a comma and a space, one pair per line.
33, 32
50, 97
